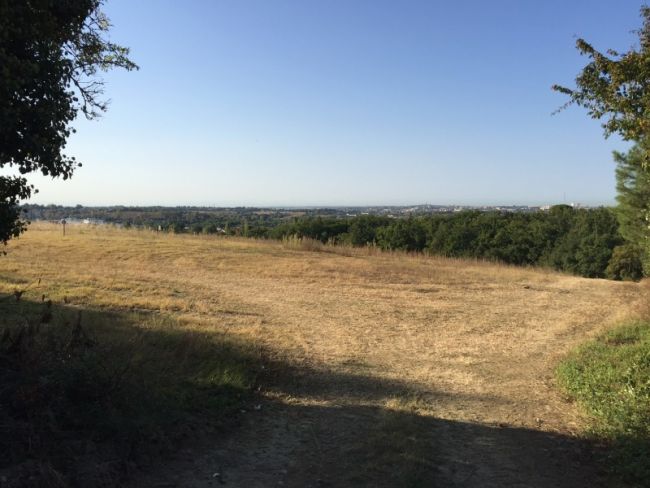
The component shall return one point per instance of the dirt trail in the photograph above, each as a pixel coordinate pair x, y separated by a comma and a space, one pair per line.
409, 373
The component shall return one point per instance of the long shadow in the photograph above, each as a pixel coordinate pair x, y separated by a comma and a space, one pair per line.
337, 439
366, 446
91, 398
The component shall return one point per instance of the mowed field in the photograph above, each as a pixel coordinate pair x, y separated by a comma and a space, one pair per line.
379, 369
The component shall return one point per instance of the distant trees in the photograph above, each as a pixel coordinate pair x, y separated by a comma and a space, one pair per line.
406, 234
586, 247
50, 54
322, 229
363, 229
579, 241
210, 228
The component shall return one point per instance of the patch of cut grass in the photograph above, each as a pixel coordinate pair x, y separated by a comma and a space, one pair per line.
610, 378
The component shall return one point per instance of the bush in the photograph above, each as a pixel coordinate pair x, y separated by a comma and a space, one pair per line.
610, 378
297, 243
625, 263
210, 228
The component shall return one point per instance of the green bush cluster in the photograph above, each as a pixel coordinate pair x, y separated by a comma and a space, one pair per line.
626, 263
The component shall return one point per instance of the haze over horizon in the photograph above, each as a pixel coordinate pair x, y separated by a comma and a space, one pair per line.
293, 103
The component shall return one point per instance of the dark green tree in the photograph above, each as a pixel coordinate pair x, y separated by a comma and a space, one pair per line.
363, 229
210, 228
625, 263
633, 211
51, 52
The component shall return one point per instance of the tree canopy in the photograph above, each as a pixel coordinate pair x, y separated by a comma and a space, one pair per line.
615, 86
633, 211
51, 52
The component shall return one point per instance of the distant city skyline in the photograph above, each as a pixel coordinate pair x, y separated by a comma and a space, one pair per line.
338, 103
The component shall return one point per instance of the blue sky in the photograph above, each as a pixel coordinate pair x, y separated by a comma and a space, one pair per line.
347, 102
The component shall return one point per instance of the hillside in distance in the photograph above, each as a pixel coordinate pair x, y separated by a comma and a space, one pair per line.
379, 367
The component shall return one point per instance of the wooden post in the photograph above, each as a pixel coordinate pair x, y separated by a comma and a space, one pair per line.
63, 222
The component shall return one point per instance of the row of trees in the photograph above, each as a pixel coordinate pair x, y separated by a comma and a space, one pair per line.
580, 241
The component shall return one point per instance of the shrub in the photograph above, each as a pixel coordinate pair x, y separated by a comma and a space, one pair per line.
610, 378
625, 263
295, 242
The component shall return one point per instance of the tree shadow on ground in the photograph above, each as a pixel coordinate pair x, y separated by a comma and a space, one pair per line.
382, 447
91, 398
373, 433
88, 397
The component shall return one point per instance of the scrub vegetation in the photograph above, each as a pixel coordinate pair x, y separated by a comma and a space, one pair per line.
610, 378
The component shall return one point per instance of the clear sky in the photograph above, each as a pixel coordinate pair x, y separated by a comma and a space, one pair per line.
347, 102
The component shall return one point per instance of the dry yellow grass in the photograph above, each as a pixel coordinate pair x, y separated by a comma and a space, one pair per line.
466, 342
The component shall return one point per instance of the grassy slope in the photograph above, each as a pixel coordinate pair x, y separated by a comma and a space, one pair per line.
177, 322
610, 378
91, 389
85, 404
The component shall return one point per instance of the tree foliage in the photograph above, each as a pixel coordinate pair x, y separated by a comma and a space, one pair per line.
579, 241
633, 211
614, 86
51, 52
625, 264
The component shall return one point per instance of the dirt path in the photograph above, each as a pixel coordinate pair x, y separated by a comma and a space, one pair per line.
404, 374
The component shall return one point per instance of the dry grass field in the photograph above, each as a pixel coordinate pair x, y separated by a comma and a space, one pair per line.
379, 369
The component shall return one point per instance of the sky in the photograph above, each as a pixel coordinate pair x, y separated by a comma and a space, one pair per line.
347, 102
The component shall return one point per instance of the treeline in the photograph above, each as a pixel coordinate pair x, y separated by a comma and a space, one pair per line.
173, 219
585, 242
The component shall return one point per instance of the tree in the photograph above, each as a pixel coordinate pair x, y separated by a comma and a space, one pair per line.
625, 264
363, 229
51, 52
615, 86
633, 211
210, 228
